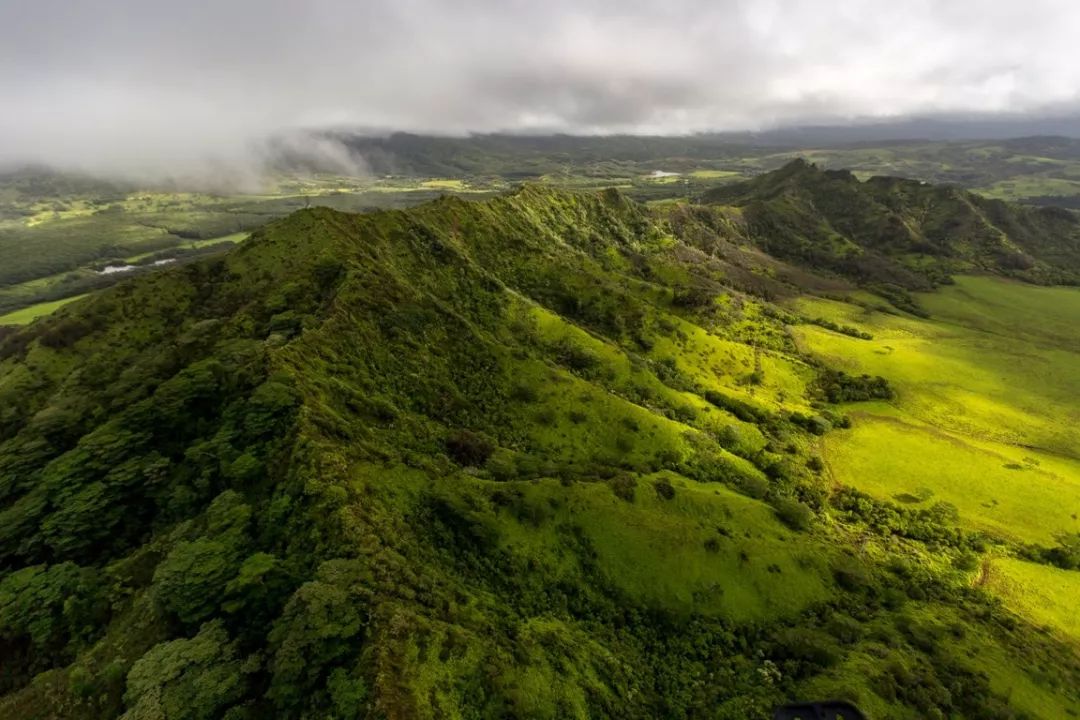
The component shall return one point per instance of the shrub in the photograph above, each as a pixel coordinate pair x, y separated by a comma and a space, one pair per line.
816, 424
327, 271
794, 514
728, 437
693, 298
837, 387
668, 372
575, 358
382, 410
753, 486
664, 488
778, 469
624, 487
501, 465
742, 410
842, 329
850, 574
468, 448
685, 414
546, 417
524, 393
812, 647
844, 628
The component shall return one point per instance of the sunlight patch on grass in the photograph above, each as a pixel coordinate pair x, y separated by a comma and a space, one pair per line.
984, 415
1046, 595
713, 174
27, 315
1004, 492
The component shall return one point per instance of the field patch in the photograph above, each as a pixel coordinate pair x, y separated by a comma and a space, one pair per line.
998, 489
984, 415
27, 315
1046, 595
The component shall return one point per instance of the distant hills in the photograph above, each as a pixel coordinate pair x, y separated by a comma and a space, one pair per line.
900, 231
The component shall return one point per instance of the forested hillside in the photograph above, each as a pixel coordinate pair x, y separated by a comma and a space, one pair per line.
903, 232
547, 455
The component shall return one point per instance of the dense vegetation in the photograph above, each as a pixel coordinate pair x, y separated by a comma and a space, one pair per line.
895, 232
58, 230
547, 455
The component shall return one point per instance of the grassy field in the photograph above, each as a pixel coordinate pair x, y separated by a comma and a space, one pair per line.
713, 174
1045, 594
998, 488
984, 418
655, 550
1034, 186
29, 314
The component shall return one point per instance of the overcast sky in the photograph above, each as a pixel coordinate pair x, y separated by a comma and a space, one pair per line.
125, 85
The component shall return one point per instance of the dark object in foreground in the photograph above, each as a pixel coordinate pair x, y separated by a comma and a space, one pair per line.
828, 710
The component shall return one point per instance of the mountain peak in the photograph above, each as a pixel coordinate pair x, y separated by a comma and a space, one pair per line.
900, 231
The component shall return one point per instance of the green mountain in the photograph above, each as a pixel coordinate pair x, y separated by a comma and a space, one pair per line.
547, 455
905, 232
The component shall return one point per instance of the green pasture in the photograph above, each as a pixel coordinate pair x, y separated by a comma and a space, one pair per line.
706, 550
984, 416
1048, 596
655, 549
997, 488
27, 315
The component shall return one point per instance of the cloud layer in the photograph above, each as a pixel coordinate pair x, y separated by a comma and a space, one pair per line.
145, 86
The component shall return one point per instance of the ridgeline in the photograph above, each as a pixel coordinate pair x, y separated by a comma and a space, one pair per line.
547, 455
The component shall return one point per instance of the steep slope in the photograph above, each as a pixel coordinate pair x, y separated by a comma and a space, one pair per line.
903, 232
548, 455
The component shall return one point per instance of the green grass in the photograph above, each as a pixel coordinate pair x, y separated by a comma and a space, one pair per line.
238, 237
983, 417
470, 450
234, 238
1046, 595
583, 420
963, 371
444, 184
651, 548
900, 461
29, 314
1032, 186
1045, 316
713, 174
654, 549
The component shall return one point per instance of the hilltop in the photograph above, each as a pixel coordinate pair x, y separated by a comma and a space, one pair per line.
550, 454
898, 231
60, 231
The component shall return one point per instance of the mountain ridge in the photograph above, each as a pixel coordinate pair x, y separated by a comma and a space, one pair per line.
888, 229
552, 454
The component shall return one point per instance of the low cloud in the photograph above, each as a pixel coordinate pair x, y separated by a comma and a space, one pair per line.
149, 89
